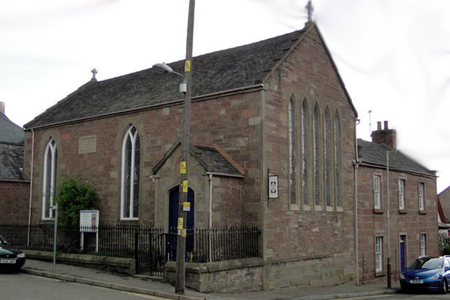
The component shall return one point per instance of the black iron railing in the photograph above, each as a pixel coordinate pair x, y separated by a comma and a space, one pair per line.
151, 247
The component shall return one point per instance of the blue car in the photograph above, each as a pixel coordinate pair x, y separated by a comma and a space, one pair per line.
430, 273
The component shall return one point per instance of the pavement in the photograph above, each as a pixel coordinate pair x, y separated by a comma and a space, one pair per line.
155, 287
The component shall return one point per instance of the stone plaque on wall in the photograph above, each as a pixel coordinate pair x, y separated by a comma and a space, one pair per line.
87, 144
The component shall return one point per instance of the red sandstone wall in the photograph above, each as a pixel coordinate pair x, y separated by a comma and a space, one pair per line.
294, 233
409, 222
14, 199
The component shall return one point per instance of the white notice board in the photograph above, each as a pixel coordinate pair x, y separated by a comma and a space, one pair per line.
89, 220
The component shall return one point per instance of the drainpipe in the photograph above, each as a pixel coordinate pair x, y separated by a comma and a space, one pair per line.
210, 179
355, 199
31, 185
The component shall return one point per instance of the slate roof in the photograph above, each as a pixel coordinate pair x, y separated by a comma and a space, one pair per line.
10, 132
223, 70
11, 150
209, 158
11, 162
374, 154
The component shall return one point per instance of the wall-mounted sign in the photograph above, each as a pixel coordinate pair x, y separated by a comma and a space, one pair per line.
273, 186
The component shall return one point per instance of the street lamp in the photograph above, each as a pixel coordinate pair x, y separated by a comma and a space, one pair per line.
163, 67
185, 87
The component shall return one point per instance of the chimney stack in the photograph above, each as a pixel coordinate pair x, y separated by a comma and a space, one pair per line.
2, 107
385, 136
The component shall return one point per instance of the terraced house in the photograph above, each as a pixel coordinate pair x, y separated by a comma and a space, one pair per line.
274, 109
397, 207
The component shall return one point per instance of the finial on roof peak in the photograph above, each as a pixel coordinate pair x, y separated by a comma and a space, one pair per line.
310, 9
94, 72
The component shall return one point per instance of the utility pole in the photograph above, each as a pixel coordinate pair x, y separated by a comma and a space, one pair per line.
389, 278
180, 282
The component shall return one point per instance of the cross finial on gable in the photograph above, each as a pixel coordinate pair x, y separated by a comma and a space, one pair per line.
94, 72
310, 9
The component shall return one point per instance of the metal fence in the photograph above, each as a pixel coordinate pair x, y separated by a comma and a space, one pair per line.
150, 247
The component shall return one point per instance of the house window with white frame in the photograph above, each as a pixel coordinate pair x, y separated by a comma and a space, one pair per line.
130, 175
401, 194
49, 179
377, 191
423, 244
421, 196
378, 254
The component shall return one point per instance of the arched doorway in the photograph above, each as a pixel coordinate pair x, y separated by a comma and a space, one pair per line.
173, 222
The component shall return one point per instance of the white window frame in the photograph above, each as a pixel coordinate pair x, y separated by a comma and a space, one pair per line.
132, 137
423, 244
377, 191
378, 254
47, 198
421, 196
401, 193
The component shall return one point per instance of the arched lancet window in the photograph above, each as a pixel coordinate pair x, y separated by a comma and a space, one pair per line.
305, 142
130, 177
327, 156
292, 148
49, 178
316, 156
337, 159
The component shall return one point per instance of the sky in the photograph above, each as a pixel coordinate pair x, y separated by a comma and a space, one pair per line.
393, 55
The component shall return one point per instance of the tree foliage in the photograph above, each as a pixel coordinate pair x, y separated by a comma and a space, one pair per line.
74, 195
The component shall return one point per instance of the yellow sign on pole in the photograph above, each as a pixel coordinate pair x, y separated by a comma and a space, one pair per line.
185, 186
187, 66
183, 233
180, 223
186, 206
183, 167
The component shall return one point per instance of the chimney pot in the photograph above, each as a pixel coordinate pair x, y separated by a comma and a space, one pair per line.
2, 107
385, 136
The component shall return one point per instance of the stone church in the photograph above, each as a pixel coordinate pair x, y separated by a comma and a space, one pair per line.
276, 108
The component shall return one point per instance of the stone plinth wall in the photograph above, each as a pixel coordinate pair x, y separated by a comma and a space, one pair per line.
240, 275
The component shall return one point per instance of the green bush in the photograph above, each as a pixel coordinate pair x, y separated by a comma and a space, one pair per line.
74, 195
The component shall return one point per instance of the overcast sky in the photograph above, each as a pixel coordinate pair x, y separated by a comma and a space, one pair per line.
393, 55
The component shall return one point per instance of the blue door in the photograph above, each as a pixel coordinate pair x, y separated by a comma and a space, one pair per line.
173, 222
402, 253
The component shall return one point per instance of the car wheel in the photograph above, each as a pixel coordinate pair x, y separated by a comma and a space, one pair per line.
444, 287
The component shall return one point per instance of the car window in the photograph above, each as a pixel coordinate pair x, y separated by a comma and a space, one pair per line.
427, 263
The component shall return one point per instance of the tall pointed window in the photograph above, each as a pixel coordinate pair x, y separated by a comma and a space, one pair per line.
337, 160
327, 155
292, 141
130, 177
316, 156
305, 154
49, 179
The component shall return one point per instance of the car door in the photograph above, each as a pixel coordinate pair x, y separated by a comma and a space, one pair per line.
447, 268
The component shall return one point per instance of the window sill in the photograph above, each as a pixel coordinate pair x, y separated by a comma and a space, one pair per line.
318, 208
378, 211
402, 211
380, 274
422, 212
294, 207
